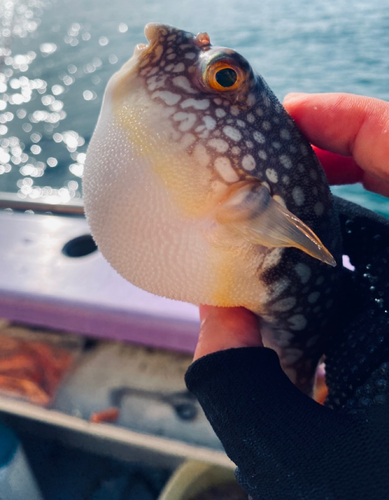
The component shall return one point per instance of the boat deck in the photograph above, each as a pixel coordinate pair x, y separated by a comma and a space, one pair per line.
131, 350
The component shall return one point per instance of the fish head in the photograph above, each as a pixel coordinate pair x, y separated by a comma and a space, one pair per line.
195, 181
168, 97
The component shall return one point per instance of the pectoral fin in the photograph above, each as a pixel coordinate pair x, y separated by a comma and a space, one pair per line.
250, 210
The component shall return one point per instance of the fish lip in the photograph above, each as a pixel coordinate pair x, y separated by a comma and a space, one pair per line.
151, 31
139, 48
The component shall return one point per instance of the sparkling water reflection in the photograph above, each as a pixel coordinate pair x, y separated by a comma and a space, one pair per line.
57, 55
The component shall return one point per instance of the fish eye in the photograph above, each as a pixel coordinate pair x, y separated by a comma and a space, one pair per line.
222, 76
226, 77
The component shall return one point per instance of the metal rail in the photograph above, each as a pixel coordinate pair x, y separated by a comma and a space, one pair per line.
14, 202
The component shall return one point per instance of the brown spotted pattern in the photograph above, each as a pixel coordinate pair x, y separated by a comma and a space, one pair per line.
241, 134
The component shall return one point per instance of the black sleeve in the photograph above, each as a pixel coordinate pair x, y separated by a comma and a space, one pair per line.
286, 445
361, 343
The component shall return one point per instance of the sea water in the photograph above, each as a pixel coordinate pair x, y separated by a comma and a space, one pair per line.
56, 57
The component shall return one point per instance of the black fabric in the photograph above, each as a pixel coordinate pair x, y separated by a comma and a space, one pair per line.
287, 446
361, 343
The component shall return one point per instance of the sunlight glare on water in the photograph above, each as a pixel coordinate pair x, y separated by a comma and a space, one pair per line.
56, 57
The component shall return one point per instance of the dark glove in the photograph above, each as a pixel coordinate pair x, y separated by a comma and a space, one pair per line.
286, 445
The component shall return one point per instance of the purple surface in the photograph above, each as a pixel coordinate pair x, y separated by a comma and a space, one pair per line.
39, 285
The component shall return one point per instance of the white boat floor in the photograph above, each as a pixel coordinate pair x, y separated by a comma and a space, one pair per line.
159, 421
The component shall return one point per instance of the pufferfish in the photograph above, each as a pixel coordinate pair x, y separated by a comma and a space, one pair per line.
198, 186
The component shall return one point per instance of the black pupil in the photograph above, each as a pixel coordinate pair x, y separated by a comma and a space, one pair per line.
226, 77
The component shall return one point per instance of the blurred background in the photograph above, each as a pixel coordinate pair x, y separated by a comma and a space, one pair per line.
56, 57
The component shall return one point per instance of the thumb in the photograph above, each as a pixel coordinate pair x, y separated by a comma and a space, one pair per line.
226, 327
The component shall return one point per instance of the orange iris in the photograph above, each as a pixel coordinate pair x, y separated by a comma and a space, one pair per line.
223, 76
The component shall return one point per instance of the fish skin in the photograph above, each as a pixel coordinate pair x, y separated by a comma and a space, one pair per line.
157, 111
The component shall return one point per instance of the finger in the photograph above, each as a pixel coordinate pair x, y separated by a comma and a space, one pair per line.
226, 327
348, 125
376, 184
343, 170
338, 168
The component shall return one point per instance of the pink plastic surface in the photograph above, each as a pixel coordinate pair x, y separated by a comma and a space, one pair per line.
39, 285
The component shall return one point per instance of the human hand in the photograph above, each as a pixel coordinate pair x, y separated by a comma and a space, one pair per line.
350, 135
236, 327
346, 125
286, 445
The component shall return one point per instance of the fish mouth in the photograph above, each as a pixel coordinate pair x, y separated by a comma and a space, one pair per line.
151, 33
